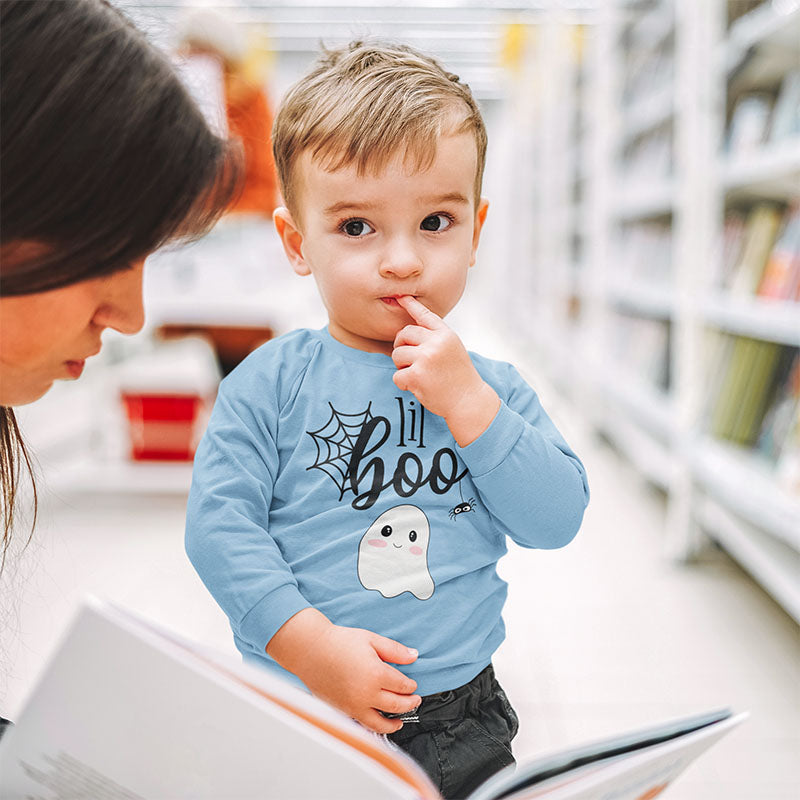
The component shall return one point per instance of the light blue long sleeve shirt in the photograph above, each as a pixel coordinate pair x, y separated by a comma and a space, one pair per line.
319, 483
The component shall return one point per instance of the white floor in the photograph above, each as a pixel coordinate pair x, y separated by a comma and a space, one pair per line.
603, 636
606, 636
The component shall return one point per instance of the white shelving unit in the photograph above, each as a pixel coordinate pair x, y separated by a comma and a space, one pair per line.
771, 172
770, 320
696, 63
643, 299
741, 504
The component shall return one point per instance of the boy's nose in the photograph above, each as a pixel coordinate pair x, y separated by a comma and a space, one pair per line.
400, 261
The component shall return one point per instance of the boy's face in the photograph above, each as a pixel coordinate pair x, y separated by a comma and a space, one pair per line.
368, 239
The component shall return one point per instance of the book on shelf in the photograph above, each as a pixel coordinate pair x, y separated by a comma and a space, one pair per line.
747, 385
729, 247
753, 402
786, 114
780, 279
779, 437
718, 347
761, 230
750, 123
787, 469
733, 377
128, 710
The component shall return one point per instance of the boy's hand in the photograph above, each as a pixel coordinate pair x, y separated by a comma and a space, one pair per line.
433, 363
348, 668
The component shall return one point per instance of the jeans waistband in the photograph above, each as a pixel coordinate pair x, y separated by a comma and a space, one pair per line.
453, 704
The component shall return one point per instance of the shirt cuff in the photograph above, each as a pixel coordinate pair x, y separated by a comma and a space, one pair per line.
492, 447
266, 618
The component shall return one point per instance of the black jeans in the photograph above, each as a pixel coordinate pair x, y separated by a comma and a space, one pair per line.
463, 736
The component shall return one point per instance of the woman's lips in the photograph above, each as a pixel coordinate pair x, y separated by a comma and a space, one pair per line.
75, 365
75, 368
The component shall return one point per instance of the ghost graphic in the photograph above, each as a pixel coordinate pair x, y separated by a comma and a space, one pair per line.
393, 554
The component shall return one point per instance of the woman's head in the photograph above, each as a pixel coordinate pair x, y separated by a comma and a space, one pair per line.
103, 158
104, 155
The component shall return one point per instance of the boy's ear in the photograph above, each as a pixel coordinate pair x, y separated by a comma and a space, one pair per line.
292, 240
480, 218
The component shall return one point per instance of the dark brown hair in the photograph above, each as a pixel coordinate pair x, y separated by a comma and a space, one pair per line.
104, 157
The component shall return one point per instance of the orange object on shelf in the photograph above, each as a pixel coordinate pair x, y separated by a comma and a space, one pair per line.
250, 121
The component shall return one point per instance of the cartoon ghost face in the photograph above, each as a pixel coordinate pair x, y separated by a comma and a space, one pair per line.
393, 554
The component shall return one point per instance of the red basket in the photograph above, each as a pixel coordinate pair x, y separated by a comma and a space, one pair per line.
163, 427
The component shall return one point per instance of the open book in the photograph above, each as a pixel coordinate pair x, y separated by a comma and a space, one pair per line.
126, 710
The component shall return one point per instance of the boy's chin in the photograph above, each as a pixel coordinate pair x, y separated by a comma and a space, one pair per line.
378, 340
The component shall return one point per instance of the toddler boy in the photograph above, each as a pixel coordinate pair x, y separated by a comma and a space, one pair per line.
356, 485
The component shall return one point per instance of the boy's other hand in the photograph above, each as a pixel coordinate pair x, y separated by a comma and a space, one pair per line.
348, 668
434, 365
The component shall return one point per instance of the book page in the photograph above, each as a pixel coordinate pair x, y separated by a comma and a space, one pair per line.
641, 774
294, 700
123, 714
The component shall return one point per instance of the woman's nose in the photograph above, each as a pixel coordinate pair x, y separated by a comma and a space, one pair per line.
122, 307
400, 260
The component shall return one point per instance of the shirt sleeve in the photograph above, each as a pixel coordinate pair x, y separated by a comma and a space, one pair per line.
227, 520
528, 478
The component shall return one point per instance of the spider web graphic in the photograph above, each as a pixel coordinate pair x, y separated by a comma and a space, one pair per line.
335, 441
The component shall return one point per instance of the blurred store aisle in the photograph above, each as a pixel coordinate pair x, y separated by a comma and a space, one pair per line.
608, 635
604, 635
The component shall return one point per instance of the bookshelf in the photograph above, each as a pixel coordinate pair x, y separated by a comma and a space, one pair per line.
741, 501
665, 170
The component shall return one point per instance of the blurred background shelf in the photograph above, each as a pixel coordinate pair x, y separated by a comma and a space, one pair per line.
144, 479
645, 404
772, 563
652, 111
771, 320
690, 171
762, 43
651, 457
647, 299
772, 171
768, 25
746, 485
644, 200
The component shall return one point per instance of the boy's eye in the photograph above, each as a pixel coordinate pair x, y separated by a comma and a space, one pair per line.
436, 222
356, 227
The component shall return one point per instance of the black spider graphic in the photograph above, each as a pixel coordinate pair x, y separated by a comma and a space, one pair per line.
461, 508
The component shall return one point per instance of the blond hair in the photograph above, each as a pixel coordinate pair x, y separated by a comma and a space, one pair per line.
364, 103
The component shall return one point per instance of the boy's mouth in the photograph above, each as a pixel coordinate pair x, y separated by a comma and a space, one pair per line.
391, 300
